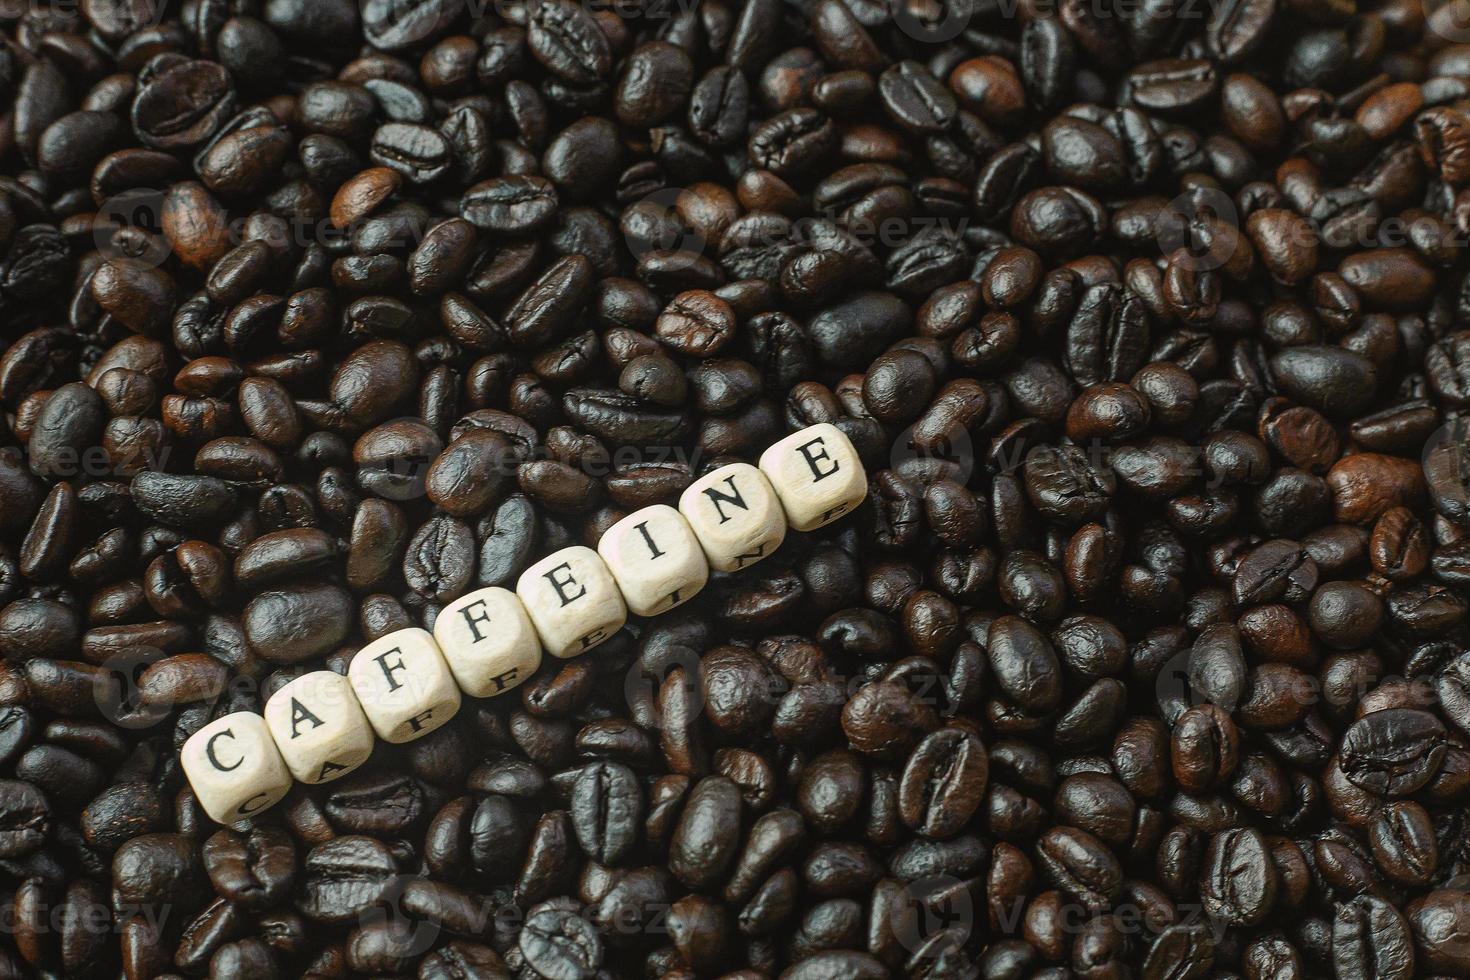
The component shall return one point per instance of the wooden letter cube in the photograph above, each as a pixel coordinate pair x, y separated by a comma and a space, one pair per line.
488, 641
234, 767
655, 558
319, 727
817, 474
404, 685
573, 601
736, 516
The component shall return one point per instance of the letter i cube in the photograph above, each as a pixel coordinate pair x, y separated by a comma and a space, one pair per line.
573, 601
488, 641
736, 516
655, 558
234, 767
817, 474
404, 685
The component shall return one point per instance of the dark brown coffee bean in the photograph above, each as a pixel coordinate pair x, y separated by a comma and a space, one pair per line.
509, 205
1393, 752
708, 832
943, 783
183, 105
345, 876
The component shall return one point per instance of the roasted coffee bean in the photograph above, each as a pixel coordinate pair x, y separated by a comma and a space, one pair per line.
254, 869
25, 818
1404, 845
182, 105
706, 837
607, 806
696, 323
916, 99
1393, 752
1080, 865
1331, 379
568, 42
344, 876
391, 26
943, 783
1370, 938
1182, 950
1238, 29
327, 314
418, 152
510, 205
1205, 748
557, 942
1238, 881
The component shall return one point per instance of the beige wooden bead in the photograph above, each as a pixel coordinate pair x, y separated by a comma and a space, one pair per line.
404, 685
234, 767
319, 727
817, 474
736, 516
573, 601
655, 559
488, 641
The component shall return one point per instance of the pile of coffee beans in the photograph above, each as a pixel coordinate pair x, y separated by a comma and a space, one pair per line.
1147, 654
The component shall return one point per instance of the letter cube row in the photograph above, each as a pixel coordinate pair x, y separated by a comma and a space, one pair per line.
400, 687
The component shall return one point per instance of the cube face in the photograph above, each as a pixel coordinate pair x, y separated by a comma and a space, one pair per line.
404, 686
817, 474
655, 559
234, 767
488, 641
573, 601
318, 727
735, 515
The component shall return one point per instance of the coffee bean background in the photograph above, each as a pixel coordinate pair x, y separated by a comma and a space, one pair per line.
1147, 655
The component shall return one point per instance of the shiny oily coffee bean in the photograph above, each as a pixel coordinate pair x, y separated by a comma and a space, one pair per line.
1156, 599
